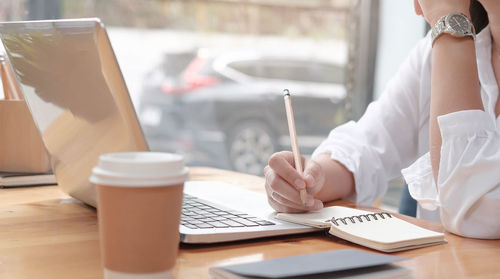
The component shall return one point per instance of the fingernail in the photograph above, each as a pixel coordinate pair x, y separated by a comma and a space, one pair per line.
318, 205
300, 184
309, 201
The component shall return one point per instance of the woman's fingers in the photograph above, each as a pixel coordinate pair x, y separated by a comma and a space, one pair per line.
282, 164
284, 197
418, 9
314, 177
276, 184
284, 182
282, 208
281, 204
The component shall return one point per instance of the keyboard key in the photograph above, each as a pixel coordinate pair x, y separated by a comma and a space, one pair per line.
219, 212
229, 216
208, 214
206, 220
245, 222
189, 213
190, 226
243, 215
218, 224
198, 217
204, 226
233, 224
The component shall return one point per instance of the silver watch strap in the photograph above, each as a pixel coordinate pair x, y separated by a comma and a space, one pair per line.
438, 28
441, 27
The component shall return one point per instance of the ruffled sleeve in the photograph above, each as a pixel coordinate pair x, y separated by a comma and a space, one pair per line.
421, 183
468, 188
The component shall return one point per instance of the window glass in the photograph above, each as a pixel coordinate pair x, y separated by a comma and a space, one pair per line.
207, 76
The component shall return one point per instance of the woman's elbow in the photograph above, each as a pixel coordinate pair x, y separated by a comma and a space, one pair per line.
479, 221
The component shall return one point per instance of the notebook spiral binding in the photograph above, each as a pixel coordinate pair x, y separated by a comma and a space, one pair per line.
359, 217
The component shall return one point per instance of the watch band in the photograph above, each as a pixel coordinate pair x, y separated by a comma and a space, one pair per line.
443, 26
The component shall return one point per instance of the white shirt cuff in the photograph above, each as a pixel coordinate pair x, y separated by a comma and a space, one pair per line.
421, 183
464, 122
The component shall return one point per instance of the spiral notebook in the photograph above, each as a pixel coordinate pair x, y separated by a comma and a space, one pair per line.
380, 231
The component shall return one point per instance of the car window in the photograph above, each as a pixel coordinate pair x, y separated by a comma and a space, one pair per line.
247, 67
175, 63
291, 70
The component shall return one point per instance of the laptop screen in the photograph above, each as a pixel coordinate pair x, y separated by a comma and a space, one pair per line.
76, 93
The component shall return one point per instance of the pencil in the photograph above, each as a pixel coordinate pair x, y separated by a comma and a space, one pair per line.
293, 140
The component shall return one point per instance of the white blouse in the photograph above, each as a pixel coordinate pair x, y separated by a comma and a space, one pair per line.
394, 134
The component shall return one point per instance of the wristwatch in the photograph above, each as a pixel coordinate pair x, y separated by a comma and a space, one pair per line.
455, 24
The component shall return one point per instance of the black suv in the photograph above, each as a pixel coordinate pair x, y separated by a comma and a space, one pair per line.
227, 110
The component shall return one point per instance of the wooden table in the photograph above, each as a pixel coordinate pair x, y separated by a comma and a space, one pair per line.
46, 234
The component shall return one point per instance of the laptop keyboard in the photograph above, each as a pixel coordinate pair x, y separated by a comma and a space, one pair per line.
200, 214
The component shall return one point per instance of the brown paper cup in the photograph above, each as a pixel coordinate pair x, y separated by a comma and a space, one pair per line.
139, 208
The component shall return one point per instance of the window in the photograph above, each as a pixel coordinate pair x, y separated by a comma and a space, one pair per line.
206, 76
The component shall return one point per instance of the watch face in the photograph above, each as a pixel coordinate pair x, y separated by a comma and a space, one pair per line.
459, 23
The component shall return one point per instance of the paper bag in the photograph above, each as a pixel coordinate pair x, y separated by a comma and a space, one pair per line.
21, 147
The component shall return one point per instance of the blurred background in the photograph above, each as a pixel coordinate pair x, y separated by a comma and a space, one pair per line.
207, 76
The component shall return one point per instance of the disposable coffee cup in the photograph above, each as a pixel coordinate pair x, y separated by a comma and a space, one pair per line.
139, 207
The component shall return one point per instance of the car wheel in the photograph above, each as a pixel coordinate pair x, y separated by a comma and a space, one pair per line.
250, 145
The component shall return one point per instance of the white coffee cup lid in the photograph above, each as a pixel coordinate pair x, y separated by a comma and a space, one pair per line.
139, 169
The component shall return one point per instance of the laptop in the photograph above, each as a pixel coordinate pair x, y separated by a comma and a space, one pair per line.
76, 93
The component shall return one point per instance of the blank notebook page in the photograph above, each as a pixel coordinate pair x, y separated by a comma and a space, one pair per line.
353, 224
388, 230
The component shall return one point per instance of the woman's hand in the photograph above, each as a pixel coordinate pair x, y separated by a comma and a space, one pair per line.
433, 10
283, 183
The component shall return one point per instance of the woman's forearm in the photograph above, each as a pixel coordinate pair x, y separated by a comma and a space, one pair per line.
454, 85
